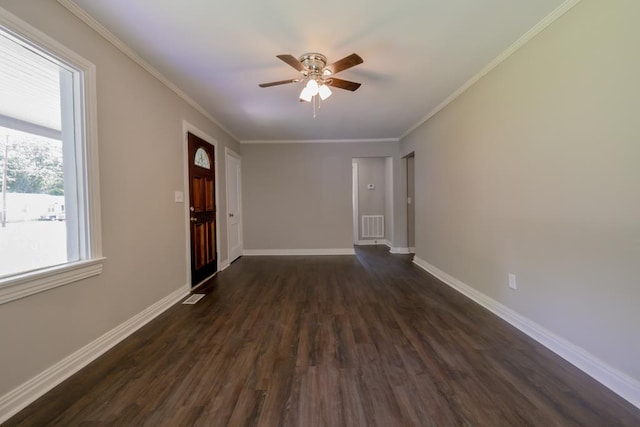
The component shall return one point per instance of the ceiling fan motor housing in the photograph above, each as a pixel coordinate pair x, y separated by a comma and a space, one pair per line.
313, 62
313, 66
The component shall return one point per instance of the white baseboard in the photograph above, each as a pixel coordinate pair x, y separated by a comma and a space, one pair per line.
25, 394
224, 264
372, 242
278, 252
625, 386
387, 243
367, 243
400, 251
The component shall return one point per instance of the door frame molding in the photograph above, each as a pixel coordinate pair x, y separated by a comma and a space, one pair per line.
230, 152
411, 155
355, 200
186, 129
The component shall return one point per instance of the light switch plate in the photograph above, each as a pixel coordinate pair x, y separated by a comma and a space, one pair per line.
179, 197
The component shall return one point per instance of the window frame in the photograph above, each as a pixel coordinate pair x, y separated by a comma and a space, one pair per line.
23, 284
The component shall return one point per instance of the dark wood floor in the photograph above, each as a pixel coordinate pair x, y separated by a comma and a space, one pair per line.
336, 341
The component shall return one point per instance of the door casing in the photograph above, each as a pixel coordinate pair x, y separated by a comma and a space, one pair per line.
354, 200
186, 129
237, 218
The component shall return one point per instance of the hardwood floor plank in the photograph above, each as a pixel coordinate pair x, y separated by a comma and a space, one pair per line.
411, 408
351, 398
345, 342
329, 388
248, 408
380, 406
309, 399
369, 340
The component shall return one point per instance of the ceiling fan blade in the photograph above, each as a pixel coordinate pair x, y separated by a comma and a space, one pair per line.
281, 82
343, 84
292, 61
344, 63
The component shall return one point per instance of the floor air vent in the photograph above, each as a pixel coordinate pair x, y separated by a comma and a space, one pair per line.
193, 299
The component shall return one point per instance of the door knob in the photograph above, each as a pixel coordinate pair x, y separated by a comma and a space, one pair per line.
193, 219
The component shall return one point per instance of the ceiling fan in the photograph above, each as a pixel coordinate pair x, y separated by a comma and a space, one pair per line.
318, 75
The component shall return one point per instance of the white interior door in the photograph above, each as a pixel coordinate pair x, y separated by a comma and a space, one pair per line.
234, 205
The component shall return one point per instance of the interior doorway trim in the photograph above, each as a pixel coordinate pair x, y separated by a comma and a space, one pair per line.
230, 153
186, 129
409, 198
355, 198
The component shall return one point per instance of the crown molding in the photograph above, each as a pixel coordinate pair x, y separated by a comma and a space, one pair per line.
320, 141
524, 39
100, 29
120, 45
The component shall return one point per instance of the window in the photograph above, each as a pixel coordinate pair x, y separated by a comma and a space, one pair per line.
202, 159
49, 206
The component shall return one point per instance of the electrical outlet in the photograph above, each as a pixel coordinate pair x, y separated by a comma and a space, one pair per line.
512, 281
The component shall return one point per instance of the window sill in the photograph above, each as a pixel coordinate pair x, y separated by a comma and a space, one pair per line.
23, 285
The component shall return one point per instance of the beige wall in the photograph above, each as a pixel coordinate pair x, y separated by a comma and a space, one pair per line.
299, 196
534, 171
144, 237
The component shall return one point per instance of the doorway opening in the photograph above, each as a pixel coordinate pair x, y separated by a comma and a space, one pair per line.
372, 180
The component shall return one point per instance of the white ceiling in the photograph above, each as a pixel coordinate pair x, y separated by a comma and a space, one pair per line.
416, 53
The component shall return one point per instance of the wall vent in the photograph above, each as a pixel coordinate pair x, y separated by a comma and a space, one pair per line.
372, 226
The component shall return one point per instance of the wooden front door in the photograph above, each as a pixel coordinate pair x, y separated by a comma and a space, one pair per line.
202, 199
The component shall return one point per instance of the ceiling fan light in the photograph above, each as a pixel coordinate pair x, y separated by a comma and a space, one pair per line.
324, 91
312, 86
306, 95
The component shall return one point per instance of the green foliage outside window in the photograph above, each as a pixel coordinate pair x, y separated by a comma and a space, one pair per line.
34, 165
